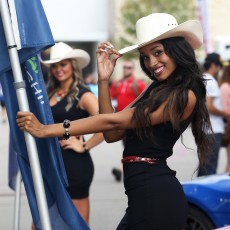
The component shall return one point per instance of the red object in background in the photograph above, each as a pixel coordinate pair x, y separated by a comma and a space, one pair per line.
126, 90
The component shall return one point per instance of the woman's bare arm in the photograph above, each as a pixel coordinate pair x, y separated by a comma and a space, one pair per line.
96, 124
106, 61
105, 106
89, 103
99, 123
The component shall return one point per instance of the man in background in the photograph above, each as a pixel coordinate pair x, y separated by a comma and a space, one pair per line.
128, 88
212, 66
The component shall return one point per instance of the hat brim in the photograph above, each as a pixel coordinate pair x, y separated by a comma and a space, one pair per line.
191, 30
81, 56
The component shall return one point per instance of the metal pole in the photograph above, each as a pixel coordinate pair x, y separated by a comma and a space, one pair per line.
24, 106
17, 202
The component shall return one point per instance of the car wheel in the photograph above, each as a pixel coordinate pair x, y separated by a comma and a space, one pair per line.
198, 220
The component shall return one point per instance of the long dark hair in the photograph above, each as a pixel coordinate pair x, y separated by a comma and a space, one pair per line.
186, 76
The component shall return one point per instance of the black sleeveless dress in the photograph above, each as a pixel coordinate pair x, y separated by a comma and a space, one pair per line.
79, 166
155, 197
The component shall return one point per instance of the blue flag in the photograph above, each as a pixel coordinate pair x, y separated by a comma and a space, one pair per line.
35, 35
13, 165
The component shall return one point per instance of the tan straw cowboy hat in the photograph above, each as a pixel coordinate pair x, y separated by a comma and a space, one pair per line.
158, 26
61, 51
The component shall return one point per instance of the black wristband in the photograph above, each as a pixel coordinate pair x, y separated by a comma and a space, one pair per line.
66, 125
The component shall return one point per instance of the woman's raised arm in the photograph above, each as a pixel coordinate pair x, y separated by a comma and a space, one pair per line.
106, 61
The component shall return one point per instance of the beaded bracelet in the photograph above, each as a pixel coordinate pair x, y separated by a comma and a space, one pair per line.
66, 125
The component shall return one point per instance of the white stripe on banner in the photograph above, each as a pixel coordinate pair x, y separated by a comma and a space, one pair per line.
15, 23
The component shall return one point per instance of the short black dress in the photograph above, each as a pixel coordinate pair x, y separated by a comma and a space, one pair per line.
79, 166
156, 199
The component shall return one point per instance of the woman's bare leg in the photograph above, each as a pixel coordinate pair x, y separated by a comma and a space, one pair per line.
82, 205
83, 208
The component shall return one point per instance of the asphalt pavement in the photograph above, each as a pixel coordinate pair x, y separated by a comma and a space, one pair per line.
108, 201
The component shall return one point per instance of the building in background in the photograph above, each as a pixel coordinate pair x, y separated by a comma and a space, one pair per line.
214, 15
81, 24
219, 17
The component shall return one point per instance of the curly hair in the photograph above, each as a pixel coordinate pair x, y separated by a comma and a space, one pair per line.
186, 76
53, 84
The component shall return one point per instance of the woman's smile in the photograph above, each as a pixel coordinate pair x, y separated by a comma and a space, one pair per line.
158, 71
157, 61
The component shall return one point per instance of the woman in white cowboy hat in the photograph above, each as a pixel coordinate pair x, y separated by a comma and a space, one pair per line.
71, 99
153, 123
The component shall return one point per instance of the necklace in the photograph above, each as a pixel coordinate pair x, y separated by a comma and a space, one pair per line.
59, 95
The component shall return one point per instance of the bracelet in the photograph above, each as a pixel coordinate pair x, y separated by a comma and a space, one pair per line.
66, 125
85, 147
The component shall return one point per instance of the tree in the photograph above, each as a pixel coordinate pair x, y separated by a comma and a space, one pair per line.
132, 10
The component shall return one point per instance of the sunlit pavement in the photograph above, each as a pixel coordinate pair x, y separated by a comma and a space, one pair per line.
108, 201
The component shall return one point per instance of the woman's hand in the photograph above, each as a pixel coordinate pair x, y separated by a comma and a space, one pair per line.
106, 60
73, 143
28, 122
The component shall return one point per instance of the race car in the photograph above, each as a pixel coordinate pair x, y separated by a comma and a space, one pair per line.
209, 202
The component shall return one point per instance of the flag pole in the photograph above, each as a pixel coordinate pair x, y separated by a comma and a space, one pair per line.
19, 85
17, 202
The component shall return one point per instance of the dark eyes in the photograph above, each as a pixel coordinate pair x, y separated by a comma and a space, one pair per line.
155, 53
144, 57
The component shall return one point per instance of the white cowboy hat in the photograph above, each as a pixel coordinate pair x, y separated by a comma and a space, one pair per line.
157, 26
61, 51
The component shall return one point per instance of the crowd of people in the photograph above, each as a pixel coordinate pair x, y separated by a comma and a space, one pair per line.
147, 119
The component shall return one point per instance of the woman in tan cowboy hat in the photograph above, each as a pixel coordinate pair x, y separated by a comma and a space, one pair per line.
71, 99
153, 123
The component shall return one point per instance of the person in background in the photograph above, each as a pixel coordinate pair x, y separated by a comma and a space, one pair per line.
3, 106
71, 99
91, 82
123, 92
153, 123
225, 98
212, 66
127, 89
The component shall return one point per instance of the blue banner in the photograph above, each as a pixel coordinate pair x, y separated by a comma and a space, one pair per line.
35, 34
13, 164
